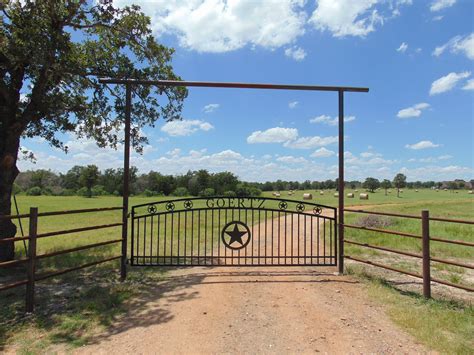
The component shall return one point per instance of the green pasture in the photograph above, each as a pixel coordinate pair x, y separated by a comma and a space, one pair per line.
84, 301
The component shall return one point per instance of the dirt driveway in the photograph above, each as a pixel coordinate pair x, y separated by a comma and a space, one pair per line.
259, 310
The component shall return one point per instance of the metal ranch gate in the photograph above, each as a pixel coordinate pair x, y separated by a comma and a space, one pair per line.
233, 231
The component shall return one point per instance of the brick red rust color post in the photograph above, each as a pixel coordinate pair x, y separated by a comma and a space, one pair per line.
126, 181
341, 182
31, 270
425, 228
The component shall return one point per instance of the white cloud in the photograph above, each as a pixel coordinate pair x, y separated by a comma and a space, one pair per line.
291, 159
447, 82
403, 47
323, 153
469, 85
273, 135
458, 44
293, 104
84, 151
422, 145
438, 18
438, 5
311, 142
185, 127
210, 108
326, 119
353, 18
297, 53
225, 25
413, 111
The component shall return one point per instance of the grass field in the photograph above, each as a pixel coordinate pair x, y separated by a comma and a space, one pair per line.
90, 299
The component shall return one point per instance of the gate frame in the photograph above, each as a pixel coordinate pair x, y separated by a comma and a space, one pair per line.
174, 83
160, 208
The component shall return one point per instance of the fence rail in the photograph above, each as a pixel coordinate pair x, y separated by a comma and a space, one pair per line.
425, 244
32, 258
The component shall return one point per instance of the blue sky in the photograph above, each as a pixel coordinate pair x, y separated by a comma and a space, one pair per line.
416, 57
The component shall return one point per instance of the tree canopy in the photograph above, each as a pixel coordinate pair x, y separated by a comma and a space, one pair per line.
52, 53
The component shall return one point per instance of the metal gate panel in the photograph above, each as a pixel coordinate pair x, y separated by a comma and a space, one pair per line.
233, 231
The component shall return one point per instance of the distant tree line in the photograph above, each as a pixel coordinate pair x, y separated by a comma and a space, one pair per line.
89, 181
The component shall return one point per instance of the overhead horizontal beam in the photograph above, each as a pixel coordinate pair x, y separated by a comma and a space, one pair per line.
208, 84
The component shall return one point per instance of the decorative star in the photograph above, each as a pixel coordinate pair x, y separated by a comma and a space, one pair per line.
236, 235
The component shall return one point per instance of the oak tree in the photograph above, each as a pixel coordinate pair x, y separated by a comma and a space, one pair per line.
52, 53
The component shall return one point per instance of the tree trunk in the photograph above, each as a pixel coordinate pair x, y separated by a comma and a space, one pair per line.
9, 146
398, 192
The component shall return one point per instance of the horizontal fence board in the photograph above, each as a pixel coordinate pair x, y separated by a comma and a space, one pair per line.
77, 230
387, 231
13, 285
65, 271
84, 247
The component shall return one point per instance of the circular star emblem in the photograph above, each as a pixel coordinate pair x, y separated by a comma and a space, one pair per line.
188, 204
283, 205
170, 206
235, 235
300, 207
317, 210
152, 209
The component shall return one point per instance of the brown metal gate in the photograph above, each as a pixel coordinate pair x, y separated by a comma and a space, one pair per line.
233, 231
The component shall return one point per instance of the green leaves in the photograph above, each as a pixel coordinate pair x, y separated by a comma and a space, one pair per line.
52, 53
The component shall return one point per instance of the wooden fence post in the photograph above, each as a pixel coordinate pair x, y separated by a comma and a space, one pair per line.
425, 229
31, 271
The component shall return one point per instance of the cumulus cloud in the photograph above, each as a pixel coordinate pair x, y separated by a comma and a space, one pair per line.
222, 26
185, 127
353, 18
438, 5
469, 85
311, 142
447, 82
296, 53
290, 138
422, 145
268, 167
413, 111
291, 159
458, 44
273, 135
225, 25
210, 108
293, 104
323, 153
328, 120
403, 47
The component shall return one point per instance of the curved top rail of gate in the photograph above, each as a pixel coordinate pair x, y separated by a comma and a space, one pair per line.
223, 202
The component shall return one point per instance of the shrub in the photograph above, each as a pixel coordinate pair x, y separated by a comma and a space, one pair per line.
255, 191
181, 191
207, 192
230, 193
47, 191
148, 193
34, 191
83, 192
67, 192
116, 193
98, 190
17, 189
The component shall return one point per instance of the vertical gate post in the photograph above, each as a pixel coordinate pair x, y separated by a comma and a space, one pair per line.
425, 228
341, 182
126, 182
31, 270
